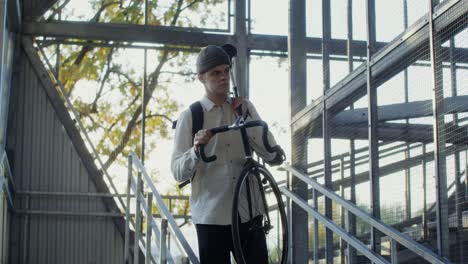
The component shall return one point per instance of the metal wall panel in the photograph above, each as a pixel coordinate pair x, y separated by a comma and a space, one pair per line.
44, 159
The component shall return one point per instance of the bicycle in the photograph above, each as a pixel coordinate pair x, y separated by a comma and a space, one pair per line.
255, 196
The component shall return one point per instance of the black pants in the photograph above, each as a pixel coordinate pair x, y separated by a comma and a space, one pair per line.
215, 244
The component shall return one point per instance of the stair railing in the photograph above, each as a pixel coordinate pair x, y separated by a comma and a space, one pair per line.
6, 179
168, 223
395, 236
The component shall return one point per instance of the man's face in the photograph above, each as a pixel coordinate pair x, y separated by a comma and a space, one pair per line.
216, 80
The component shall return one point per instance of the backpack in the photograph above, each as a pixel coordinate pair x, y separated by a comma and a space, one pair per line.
197, 124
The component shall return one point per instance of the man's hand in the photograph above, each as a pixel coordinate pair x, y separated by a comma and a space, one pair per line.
279, 158
202, 137
239, 103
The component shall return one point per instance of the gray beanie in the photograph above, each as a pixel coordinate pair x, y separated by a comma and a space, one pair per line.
211, 56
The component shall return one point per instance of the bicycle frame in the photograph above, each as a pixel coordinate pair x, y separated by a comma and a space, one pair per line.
241, 125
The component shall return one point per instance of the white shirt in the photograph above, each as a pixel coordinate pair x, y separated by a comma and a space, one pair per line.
213, 184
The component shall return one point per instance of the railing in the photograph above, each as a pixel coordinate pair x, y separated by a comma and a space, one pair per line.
6, 178
394, 235
6, 204
168, 221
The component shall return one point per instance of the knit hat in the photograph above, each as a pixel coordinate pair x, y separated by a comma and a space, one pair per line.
211, 56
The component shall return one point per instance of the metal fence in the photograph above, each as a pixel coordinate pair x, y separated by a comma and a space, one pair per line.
391, 136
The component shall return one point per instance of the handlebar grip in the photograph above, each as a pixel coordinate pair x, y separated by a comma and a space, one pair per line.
204, 157
264, 126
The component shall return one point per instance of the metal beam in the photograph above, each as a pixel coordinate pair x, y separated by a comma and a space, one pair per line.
124, 33
372, 123
351, 219
297, 85
450, 17
240, 32
392, 132
40, 8
326, 37
14, 15
195, 37
453, 105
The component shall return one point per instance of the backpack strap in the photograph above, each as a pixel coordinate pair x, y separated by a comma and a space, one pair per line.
197, 124
197, 117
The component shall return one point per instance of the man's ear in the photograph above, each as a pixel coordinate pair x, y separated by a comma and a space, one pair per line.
201, 77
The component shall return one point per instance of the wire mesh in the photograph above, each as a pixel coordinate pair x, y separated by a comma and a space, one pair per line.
406, 168
451, 77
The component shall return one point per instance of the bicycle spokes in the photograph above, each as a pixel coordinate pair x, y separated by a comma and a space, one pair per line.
268, 226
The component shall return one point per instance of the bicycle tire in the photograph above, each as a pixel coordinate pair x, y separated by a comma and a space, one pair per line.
253, 170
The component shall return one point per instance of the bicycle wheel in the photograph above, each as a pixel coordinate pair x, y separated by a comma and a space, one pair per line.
264, 216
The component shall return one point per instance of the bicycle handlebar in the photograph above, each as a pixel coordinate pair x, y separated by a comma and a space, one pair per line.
236, 126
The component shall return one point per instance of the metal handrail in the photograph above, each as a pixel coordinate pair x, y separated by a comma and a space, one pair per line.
356, 243
387, 230
165, 211
153, 225
6, 182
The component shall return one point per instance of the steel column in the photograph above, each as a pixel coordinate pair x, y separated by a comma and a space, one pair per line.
439, 139
143, 92
344, 225
457, 171
163, 242
3, 72
149, 222
14, 15
316, 226
393, 251
407, 153
242, 63
326, 36
425, 212
127, 214
298, 84
351, 219
372, 126
136, 246
466, 176
289, 214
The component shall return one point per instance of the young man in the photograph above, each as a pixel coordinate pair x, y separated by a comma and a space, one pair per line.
213, 183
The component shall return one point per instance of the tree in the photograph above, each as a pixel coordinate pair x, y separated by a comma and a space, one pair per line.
113, 114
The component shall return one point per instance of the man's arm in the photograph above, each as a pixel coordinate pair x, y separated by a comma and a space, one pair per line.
255, 138
184, 160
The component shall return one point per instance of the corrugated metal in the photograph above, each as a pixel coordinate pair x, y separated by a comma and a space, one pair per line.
46, 160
